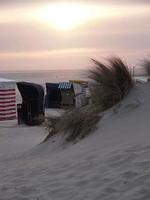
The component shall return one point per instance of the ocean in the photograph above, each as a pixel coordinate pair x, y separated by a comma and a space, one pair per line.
43, 76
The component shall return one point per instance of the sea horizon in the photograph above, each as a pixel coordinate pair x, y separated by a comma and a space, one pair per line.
43, 76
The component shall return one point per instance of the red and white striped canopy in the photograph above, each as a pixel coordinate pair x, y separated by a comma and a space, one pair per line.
7, 99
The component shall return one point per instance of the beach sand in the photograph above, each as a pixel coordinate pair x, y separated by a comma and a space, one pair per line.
113, 163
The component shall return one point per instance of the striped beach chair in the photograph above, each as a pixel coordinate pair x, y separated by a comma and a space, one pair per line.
7, 99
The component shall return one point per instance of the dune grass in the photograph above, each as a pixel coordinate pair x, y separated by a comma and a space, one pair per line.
112, 82
78, 123
74, 124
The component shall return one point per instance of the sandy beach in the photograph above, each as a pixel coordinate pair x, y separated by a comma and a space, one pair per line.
112, 163
74, 100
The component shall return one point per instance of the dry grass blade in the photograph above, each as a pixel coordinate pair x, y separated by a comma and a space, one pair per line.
113, 82
51, 126
74, 124
79, 122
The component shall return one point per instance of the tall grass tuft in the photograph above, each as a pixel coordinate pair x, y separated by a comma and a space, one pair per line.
75, 124
112, 81
78, 123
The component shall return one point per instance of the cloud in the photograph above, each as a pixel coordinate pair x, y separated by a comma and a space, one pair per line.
123, 33
32, 44
68, 59
24, 46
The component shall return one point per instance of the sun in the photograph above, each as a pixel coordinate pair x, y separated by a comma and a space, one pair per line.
63, 16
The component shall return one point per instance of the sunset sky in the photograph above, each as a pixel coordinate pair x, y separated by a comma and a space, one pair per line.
42, 34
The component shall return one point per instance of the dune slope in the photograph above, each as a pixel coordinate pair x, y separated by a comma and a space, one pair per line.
113, 163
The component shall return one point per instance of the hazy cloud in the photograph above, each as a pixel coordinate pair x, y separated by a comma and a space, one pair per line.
123, 33
27, 43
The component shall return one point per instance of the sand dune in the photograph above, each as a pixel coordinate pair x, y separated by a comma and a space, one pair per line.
113, 163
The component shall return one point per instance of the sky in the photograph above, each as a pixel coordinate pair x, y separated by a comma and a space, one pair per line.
51, 34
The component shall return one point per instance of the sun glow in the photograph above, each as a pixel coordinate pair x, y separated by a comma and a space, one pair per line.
64, 16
